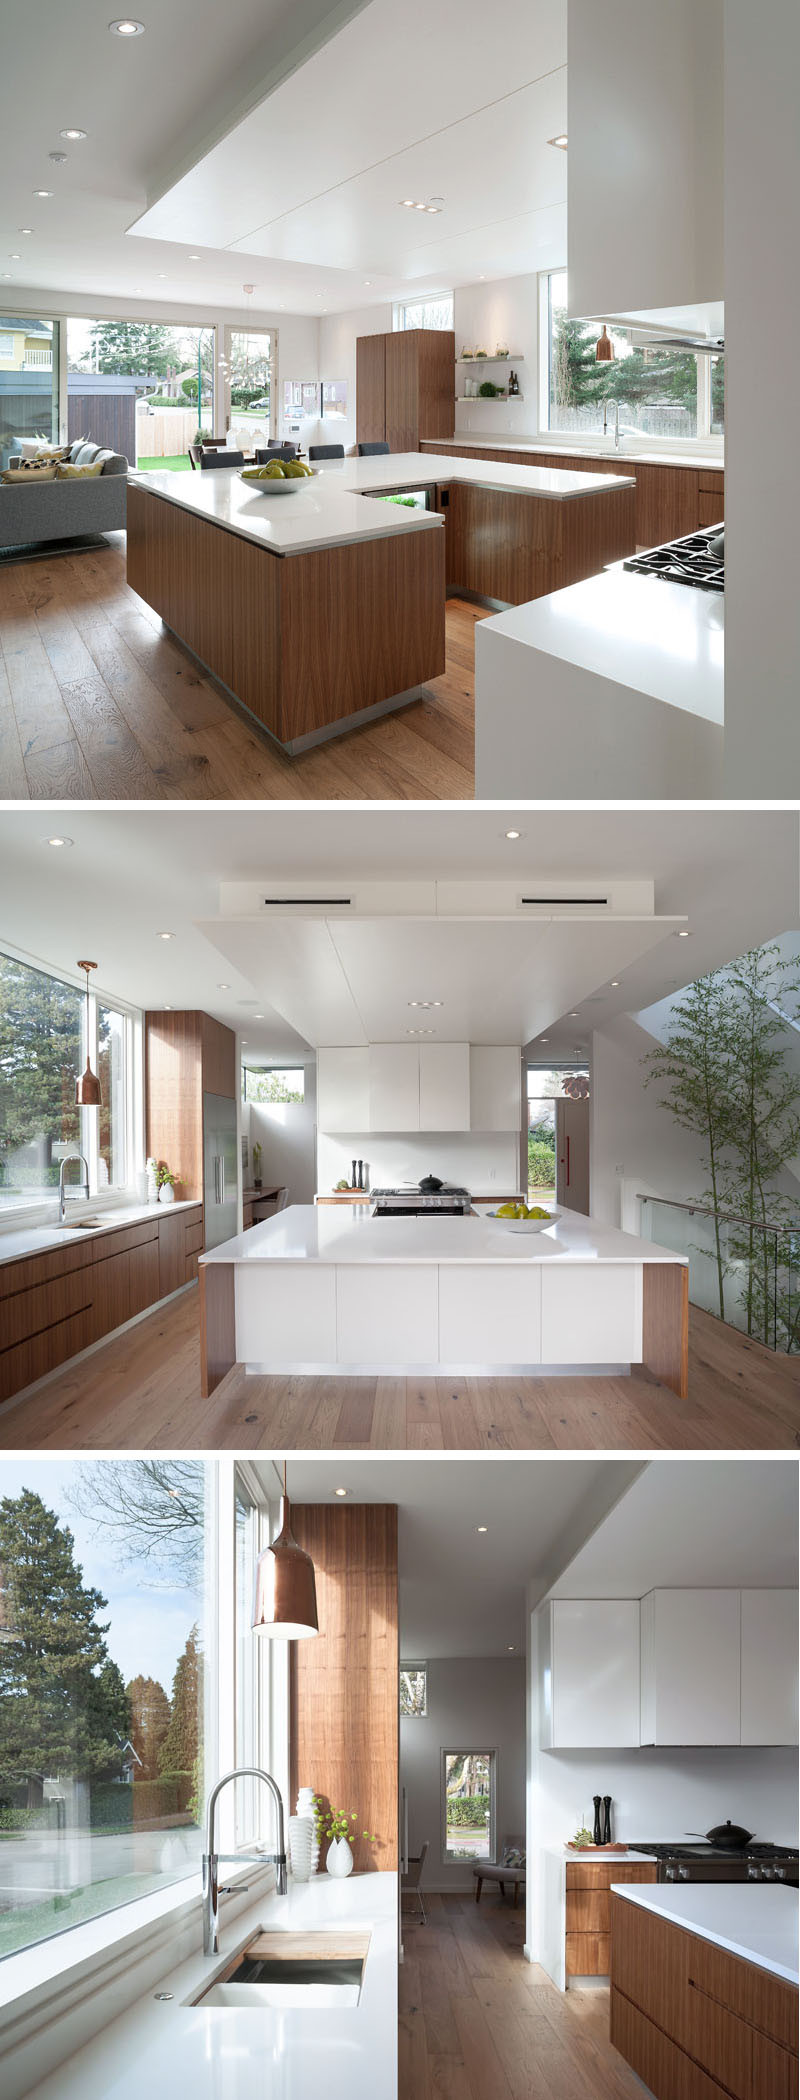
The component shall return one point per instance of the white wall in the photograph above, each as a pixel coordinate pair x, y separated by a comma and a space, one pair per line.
337, 360
762, 305
286, 1131
483, 1162
472, 1702
502, 311
633, 1139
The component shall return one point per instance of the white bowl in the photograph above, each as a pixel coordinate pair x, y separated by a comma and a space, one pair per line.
529, 1224
276, 485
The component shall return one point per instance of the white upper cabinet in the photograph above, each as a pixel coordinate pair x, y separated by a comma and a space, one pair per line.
691, 1666
595, 1666
343, 1090
393, 1086
495, 1087
444, 1089
769, 1666
645, 161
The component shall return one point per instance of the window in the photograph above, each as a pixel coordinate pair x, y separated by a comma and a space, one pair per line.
29, 395
414, 1690
333, 400
133, 385
468, 1805
6, 345
275, 1083
548, 1084
426, 313
660, 393
299, 398
43, 1048
102, 1694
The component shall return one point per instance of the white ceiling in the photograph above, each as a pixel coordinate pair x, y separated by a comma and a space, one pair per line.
461, 1593
133, 873
618, 1529
274, 139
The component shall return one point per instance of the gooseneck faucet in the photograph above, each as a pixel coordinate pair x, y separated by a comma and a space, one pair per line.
212, 1859
607, 404
84, 1184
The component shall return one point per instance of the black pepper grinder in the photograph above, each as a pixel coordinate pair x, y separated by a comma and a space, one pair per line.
606, 1819
353, 1181
361, 1173
598, 1835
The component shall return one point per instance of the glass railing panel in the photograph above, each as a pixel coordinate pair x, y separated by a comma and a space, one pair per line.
742, 1272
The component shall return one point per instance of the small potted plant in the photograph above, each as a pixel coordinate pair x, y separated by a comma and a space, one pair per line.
336, 1825
165, 1183
256, 1166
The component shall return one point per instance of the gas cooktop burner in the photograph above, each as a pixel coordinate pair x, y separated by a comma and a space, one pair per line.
690, 560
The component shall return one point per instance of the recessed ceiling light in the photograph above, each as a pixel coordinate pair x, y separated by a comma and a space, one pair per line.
258, 1017
58, 158
615, 984
683, 933
481, 1527
368, 280
244, 1042
407, 203
482, 278
572, 1017
513, 834
59, 841
41, 193
511, 1650
24, 229
126, 27
168, 1009
6, 273
161, 274
559, 140
14, 256
72, 132
544, 1038
166, 936
341, 1491
223, 987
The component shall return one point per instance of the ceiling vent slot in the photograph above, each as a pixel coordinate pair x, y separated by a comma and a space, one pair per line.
578, 903
303, 903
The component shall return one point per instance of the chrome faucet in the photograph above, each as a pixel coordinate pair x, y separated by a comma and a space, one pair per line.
62, 1201
212, 1859
607, 404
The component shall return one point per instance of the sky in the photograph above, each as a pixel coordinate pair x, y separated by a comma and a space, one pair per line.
149, 1617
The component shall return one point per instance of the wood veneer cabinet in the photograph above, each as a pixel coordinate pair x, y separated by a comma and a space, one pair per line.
512, 546
344, 1715
670, 501
405, 386
588, 1910
695, 2021
187, 1055
52, 1305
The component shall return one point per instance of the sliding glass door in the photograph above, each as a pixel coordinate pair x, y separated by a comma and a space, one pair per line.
29, 349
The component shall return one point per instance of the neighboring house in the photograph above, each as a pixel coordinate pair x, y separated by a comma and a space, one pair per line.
25, 346
130, 1760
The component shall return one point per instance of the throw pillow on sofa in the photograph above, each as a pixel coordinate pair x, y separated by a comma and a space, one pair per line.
66, 472
29, 476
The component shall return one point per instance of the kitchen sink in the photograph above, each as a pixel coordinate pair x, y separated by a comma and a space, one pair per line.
314, 1970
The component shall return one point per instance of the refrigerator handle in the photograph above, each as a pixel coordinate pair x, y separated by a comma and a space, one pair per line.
216, 1178
222, 1177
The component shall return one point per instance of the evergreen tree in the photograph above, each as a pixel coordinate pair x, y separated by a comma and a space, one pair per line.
40, 1054
62, 1700
150, 1718
180, 1747
131, 346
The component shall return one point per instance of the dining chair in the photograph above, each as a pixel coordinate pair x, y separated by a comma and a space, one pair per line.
410, 1881
274, 450
194, 456
370, 450
326, 452
222, 459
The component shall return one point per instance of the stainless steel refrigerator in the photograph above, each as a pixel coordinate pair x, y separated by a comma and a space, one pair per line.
220, 1169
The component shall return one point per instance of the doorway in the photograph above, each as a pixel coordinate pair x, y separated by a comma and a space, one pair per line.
558, 1135
247, 375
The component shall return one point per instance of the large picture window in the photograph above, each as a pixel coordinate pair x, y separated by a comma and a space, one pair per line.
102, 1694
426, 313
468, 1805
43, 1047
660, 393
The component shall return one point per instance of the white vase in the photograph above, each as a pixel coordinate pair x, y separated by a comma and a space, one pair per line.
166, 1193
152, 1184
305, 1807
301, 1833
340, 1859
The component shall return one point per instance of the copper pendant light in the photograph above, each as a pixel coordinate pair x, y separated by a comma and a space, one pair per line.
604, 348
87, 1088
285, 1601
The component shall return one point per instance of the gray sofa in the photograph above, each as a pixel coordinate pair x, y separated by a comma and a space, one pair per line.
62, 510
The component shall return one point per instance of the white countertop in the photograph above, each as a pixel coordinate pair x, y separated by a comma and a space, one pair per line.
331, 511
228, 2054
756, 1920
311, 1233
604, 1859
42, 1239
586, 448
662, 639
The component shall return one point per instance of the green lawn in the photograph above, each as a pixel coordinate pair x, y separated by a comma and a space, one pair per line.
175, 462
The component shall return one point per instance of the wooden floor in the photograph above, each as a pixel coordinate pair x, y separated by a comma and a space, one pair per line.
142, 1391
478, 2022
97, 701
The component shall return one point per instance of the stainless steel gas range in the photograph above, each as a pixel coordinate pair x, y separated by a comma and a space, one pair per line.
420, 1201
704, 1862
698, 558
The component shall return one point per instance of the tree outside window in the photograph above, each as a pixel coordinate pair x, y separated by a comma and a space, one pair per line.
659, 392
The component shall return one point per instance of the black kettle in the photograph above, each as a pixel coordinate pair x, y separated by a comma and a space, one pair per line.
430, 1185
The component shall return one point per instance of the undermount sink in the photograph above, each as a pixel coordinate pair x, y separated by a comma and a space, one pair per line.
314, 1970
77, 1225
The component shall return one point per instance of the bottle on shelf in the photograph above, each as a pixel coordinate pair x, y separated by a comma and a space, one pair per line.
513, 384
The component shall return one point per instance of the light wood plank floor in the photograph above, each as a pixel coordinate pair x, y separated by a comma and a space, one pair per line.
478, 2022
142, 1391
97, 701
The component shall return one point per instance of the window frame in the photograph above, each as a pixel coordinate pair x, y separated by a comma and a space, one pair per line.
402, 307
13, 1216
707, 442
249, 1100
408, 1665
477, 1750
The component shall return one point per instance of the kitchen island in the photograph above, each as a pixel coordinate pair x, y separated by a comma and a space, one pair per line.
612, 688
175, 2045
321, 609
704, 1993
322, 1289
